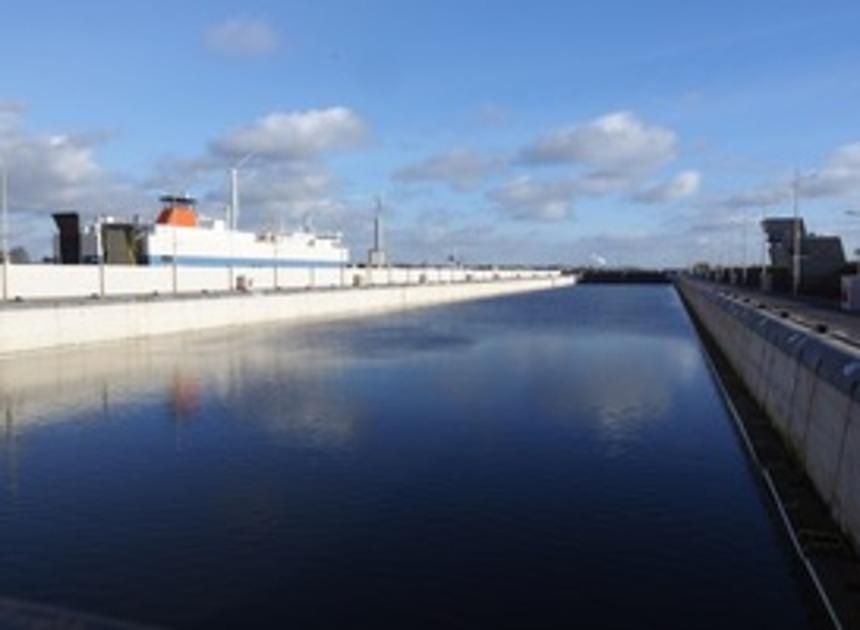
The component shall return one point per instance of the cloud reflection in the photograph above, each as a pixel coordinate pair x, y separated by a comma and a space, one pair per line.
196, 378
630, 383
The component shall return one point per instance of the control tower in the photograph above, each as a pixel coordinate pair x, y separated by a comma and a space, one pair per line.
820, 259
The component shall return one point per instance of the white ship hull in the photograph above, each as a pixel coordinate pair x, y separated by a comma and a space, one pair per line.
202, 246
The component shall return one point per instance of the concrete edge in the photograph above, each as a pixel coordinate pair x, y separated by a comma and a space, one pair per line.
69, 325
835, 584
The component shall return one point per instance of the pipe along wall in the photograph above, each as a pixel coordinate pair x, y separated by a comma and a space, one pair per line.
808, 384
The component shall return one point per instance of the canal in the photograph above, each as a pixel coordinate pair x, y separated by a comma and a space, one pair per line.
559, 459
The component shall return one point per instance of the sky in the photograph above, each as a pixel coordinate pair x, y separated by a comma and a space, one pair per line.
623, 133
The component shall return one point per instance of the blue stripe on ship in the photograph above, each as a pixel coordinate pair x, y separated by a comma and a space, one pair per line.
198, 261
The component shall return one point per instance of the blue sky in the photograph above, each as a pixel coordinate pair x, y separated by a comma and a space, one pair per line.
639, 133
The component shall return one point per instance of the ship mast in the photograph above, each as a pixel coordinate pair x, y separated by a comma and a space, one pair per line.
233, 219
376, 256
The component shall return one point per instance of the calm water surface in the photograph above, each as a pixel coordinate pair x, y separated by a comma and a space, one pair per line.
556, 459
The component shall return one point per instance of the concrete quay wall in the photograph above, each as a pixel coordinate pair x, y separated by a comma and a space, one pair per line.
807, 382
48, 281
63, 324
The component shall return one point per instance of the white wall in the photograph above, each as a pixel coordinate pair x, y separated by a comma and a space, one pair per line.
33, 282
29, 327
52, 281
133, 280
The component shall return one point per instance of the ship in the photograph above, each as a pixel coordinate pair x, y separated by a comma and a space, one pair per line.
181, 236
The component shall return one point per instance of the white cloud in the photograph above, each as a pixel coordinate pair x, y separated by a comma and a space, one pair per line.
243, 37
47, 172
526, 198
616, 141
50, 172
597, 183
10, 113
684, 184
289, 192
434, 240
287, 178
298, 135
838, 176
461, 169
597, 259
766, 197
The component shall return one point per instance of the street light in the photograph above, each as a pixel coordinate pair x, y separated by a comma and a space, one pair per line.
233, 218
742, 221
763, 282
798, 243
4, 226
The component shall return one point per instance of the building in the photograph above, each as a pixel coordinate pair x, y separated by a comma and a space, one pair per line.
822, 258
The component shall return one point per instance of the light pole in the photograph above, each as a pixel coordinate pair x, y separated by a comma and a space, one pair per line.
744, 272
342, 256
233, 219
275, 240
4, 193
174, 272
797, 239
763, 284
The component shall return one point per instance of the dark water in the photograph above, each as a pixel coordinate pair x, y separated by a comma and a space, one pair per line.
553, 460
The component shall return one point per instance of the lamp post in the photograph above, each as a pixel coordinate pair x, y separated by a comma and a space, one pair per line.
174, 273
342, 256
233, 218
275, 238
744, 234
763, 285
4, 202
798, 243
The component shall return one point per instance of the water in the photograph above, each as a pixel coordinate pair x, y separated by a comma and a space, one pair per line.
550, 460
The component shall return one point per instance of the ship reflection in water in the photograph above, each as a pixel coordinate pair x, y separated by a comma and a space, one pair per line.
556, 459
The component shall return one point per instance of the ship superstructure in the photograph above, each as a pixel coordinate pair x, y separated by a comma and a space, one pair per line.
181, 236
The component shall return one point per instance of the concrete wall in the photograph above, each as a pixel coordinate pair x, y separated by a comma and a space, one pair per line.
806, 381
35, 282
27, 327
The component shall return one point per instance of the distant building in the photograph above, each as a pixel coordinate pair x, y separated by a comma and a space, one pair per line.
822, 258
